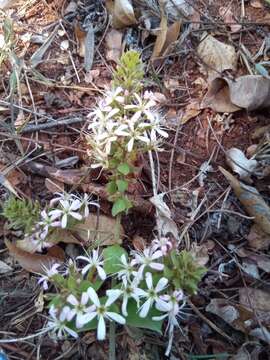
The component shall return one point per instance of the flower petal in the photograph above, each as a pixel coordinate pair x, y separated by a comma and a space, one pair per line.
162, 283
93, 296
101, 273
64, 221
72, 300
112, 296
101, 329
145, 308
149, 280
116, 317
84, 298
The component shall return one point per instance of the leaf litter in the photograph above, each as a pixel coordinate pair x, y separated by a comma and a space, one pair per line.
200, 74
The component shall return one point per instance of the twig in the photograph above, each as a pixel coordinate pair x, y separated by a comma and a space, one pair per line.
172, 152
51, 124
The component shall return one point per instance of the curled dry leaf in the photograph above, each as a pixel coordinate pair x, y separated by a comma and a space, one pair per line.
237, 160
165, 223
31, 262
80, 39
248, 92
252, 201
122, 13
114, 45
4, 268
216, 56
200, 254
192, 110
99, 229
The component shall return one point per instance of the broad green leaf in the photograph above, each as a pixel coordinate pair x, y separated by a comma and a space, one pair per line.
111, 257
133, 318
111, 187
85, 284
122, 185
71, 283
119, 206
124, 168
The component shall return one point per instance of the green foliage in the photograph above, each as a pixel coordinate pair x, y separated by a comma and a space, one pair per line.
129, 73
9, 39
112, 255
183, 271
133, 318
122, 204
124, 169
21, 214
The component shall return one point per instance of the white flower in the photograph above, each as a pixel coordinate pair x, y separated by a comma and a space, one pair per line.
95, 261
147, 258
49, 272
86, 202
47, 222
127, 269
172, 314
102, 312
135, 135
80, 310
58, 326
61, 196
101, 116
128, 290
114, 95
162, 243
153, 296
68, 208
142, 107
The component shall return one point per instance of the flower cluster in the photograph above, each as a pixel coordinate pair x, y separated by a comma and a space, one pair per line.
126, 122
63, 210
139, 280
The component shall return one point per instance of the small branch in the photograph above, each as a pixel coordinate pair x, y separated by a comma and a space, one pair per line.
51, 124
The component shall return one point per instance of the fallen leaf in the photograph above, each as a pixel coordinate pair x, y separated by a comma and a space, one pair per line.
200, 254
249, 92
161, 37
171, 36
4, 268
257, 4
228, 17
217, 56
251, 200
257, 238
122, 14
80, 39
139, 243
14, 177
100, 229
255, 299
192, 110
31, 262
237, 160
165, 223
176, 7
205, 168
54, 185
114, 45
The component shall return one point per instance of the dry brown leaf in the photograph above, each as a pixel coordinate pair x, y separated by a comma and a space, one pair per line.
257, 4
62, 235
80, 37
217, 56
192, 110
122, 13
250, 92
14, 176
31, 262
171, 36
100, 229
54, 185
161, 38
229, 19
200, 254
251, 200
257, 238
114, 45
255, 299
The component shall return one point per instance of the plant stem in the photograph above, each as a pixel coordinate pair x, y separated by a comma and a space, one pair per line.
117, 228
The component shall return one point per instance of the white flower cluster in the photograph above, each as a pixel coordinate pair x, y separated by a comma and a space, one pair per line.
136, 283
62, 208
129, 121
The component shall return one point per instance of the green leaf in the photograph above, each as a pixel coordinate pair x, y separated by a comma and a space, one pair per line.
124, 168
111, 187
133, 318
85, 284
111, 257
119, 206
71, 283
122, 185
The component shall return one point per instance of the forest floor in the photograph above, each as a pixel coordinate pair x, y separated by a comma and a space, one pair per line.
52, 74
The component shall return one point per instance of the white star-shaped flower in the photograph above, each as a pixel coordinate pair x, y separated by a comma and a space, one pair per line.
95, 261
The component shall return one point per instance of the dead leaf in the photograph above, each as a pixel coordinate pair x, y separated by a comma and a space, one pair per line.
161, 37
15, 177
176, 7
31, 262
228, 17
122, 13
192, 110
255, 299
217, 56
257, 4
4, 268
114, 45
200, 254
249, 92
165, 223
237, 160
80, 39
171, 36
100, 229
54, 185
62, 235
257, 238
252, 201
139, 243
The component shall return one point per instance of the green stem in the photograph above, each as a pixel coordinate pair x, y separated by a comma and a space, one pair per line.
117, 228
